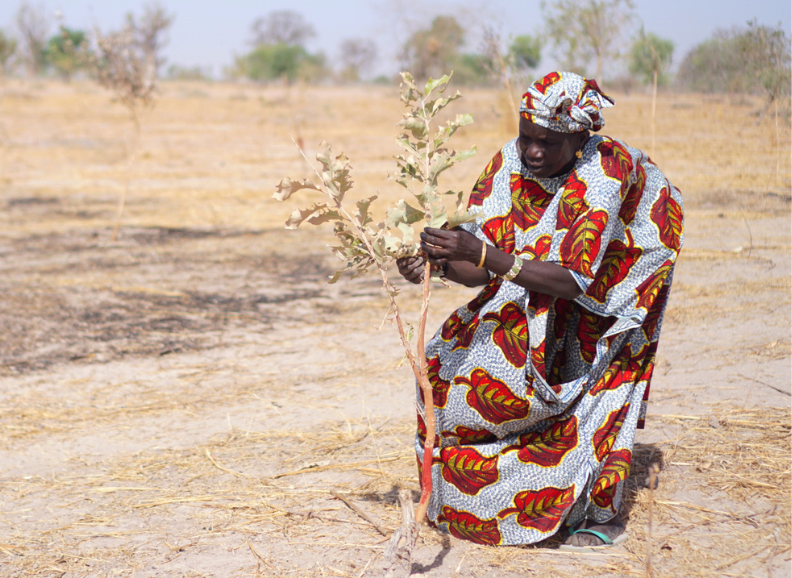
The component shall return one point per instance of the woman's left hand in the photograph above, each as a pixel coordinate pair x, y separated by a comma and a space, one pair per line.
442, 246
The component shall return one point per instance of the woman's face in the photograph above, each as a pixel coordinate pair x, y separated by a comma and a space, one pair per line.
547, 153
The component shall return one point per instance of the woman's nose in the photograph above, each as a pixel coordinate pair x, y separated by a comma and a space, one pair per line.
534, 151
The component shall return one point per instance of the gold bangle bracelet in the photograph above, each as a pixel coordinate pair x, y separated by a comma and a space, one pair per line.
483, 255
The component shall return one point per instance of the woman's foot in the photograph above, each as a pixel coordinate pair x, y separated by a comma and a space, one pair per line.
613, 528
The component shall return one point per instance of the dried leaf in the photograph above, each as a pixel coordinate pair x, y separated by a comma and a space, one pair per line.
287, 187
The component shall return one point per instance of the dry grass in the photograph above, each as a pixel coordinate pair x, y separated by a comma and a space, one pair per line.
274, 491
176, 403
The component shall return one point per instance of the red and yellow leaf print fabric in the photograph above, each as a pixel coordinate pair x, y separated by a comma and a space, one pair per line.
466, 526
625, 368
605, 436
539, 250
547, 448
630, 203
667, 215
581, 245
615, 470
511, 333
500, 230
440, 386
511, 457
466, 435
573, 202
616, 163
649, 289
590, 331
619, 258
466, 469
483, 187
465, 336
530, 201
492, 398
541, 510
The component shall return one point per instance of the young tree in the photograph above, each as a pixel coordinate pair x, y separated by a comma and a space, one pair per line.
64, 52
34, 25
430, 51
357, 56
364, 244
149, 33
121, 64
522, 55
650, 57
8, 47
282, 27
583, 30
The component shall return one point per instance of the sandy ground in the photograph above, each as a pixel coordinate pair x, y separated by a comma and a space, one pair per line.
185, 400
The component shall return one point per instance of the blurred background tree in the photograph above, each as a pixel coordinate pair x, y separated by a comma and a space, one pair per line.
279, 52
33, 25
64, 52
586, 30
8, 48
750, 59
525, 52
282, 27
650, 58
357, 56
149, 33
430, 52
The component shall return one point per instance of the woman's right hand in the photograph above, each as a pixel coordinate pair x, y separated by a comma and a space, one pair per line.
412, 268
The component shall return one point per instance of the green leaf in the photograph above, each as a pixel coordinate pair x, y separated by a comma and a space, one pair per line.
464, 155
458, 218
336, 276
438, 220
432, 84
287, 187
416, 125
323, 217
363, 205
408, 233
403, 212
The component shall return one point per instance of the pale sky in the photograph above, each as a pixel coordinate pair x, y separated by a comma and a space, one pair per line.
209, 33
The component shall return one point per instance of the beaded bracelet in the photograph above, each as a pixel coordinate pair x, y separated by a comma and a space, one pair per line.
515, 269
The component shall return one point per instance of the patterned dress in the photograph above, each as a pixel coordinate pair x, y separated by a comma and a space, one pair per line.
538, 398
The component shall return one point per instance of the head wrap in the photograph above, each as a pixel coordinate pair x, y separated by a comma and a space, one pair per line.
565, 102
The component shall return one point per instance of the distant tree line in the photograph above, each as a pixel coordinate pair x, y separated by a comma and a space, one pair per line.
603, 36
38, 52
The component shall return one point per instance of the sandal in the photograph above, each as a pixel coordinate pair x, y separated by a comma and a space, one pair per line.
606, 541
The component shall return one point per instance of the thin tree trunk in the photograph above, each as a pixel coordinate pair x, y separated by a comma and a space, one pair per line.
426, 388
130, 162
654, 109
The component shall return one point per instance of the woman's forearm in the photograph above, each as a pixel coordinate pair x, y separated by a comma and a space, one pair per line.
539, 276
467, 274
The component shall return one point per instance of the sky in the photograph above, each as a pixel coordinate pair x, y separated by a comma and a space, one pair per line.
208, 33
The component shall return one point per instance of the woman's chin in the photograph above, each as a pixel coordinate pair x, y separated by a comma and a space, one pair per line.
539, 172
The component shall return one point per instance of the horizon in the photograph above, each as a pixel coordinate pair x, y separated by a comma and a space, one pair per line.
388, 24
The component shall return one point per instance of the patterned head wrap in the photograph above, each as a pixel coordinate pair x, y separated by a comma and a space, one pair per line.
565, 102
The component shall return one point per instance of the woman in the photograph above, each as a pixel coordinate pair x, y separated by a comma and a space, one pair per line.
541, 380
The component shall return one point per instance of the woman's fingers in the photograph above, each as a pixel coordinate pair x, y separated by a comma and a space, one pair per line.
411, 268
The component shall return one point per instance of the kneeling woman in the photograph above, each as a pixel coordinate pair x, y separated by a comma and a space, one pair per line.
541, 381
